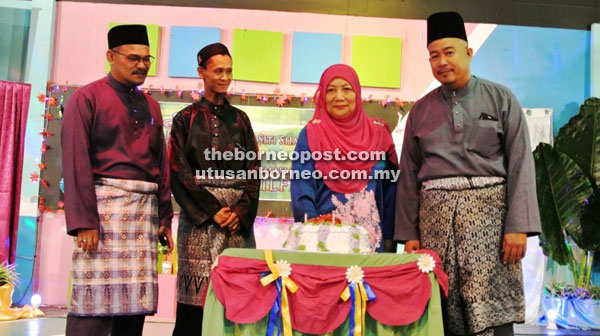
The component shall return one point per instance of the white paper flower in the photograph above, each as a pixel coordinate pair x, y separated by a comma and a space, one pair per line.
426, 263
284, 268
214, 264
354, 274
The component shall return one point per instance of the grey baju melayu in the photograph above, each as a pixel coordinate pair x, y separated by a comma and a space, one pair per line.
452, 139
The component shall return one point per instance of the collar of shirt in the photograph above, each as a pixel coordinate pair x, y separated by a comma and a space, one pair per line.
115, 84
459, 93
222, 111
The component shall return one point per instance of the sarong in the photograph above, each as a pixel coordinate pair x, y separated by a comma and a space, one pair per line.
120, 278
462, 220
198, 247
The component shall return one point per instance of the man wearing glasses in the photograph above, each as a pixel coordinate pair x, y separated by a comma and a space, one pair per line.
117, 197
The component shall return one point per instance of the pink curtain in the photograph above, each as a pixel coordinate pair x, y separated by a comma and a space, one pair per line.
14, 105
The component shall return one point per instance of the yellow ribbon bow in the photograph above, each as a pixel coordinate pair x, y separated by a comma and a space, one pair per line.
286, 283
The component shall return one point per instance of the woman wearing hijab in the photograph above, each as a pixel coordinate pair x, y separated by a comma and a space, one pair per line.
341, 129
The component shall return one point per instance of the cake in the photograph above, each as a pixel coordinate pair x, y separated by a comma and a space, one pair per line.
322, 235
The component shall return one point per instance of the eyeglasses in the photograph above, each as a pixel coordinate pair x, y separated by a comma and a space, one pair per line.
135, 59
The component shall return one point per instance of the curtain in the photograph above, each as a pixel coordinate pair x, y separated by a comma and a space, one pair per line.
14, 105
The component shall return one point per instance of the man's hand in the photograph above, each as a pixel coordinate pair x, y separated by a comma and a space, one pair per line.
514, 247
412, 246
87, 240
222, 216
232, 223
166, 232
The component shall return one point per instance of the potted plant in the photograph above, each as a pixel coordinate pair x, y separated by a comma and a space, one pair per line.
8, 279
567, 178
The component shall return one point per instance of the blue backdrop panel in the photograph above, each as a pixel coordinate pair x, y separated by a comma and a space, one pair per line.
184, 44
312, 53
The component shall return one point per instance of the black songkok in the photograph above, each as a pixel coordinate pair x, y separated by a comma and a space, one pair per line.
211, 50
127, 34
445, 24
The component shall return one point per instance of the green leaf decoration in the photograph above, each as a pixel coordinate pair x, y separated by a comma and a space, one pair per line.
580, 139
562, 190
321, 246
301, 247
356, 250
590, 224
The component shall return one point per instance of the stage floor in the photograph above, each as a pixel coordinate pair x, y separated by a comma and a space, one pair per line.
54, 325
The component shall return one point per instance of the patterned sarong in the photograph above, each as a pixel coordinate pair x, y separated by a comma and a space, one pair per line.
120, 278
462, 219
198, 247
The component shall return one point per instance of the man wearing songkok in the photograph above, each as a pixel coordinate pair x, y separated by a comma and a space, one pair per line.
467, 187
117, 197
216, 212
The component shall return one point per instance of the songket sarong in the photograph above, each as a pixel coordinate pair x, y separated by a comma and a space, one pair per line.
462, 220
121, 277
198, 247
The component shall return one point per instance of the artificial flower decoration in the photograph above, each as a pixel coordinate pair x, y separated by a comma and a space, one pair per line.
48, 116
61, 204
426, 263
52, 101
44, 183
280, 101
148, 91
303, 99
41, 97
355, 274
283, 268
34, 177
42, 166
46, 133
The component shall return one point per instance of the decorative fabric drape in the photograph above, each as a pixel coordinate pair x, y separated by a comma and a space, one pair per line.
316, 308
14, 106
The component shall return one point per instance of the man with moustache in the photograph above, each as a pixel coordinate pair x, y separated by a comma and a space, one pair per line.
467, 187
117, 197
215, 213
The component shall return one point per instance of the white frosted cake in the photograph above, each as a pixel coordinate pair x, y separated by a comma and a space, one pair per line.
320, 235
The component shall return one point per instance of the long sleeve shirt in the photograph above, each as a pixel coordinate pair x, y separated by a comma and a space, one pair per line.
476, 130
203, 126
111, 130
